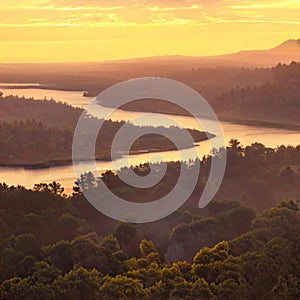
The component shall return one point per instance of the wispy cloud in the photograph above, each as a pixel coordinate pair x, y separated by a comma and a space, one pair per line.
288, 4
177, 8
116, 13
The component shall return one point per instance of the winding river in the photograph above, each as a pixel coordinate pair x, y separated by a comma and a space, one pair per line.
271, 137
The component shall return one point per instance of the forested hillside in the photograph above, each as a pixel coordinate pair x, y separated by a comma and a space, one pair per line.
239, 94
275, 101
238, 247
48, 112
259, 264
40, 132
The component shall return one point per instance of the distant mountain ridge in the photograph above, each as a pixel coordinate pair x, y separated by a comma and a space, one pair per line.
286, 52
289, 43
97, 76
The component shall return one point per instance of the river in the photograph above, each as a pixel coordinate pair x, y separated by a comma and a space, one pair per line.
271, 137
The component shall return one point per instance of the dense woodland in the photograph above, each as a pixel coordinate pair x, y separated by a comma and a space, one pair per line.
49, 112
35, 132
243, 245
275, 101
238, 93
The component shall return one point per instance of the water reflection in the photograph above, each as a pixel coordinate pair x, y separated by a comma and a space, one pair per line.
247, 135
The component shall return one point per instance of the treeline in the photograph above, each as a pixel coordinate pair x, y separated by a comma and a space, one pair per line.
211, 82
250, 172
30, 143
34, 132
256, 178
48, 112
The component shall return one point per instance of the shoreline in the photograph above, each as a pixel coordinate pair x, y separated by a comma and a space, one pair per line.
68, 162
237, 121
232, 120
262, 124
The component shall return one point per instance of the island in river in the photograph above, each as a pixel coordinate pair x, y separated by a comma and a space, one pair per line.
39, 134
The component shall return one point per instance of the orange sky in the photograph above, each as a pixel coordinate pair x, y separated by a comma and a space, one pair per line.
97, 30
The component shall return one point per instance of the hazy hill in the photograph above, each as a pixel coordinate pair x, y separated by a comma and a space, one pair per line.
239, 95
84, 76
284, 53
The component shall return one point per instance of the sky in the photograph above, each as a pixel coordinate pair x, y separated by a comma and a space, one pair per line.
99, 30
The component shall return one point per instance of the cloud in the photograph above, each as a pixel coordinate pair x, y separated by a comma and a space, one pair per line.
114, 13
88, 8
266, 5
178, 8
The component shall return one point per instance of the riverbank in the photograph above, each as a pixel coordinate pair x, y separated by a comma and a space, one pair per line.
260, 123
222, 117
36, 165
232, 120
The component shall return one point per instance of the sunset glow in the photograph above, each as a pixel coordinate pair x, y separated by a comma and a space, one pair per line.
72, 30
